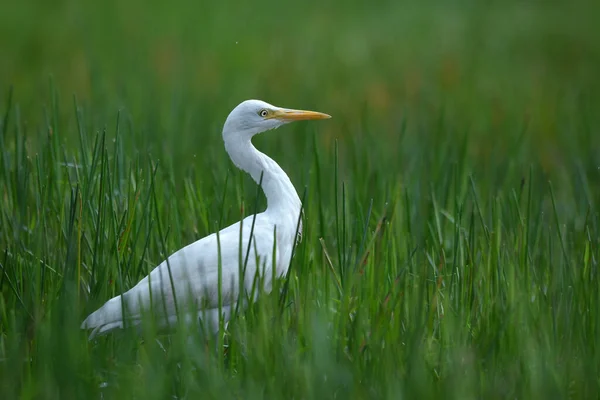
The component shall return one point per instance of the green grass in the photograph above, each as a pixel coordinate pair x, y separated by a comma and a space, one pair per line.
451, 240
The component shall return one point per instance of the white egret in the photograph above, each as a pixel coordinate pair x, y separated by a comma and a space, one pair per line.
194, 269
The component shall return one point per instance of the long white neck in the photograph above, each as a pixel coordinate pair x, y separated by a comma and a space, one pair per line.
282, 199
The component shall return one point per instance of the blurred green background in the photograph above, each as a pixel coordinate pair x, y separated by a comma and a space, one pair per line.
487, 64
515, 81
436, 106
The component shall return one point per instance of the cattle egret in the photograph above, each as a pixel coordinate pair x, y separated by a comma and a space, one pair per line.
194, 270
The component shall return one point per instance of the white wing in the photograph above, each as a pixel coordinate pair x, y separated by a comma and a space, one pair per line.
194, 273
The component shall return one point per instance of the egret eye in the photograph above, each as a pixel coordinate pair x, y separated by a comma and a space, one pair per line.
263, 113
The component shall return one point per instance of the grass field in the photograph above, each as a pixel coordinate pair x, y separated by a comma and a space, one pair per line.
451, 241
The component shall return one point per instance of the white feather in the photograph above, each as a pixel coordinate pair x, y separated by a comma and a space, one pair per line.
194, 269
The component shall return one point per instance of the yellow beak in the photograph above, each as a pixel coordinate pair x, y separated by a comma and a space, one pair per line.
285, 114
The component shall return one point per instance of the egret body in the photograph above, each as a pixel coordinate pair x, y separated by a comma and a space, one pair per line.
194, 269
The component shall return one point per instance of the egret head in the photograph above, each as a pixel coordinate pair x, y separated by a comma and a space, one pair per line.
255, 116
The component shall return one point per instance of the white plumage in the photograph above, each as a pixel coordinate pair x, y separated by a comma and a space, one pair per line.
195, 268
